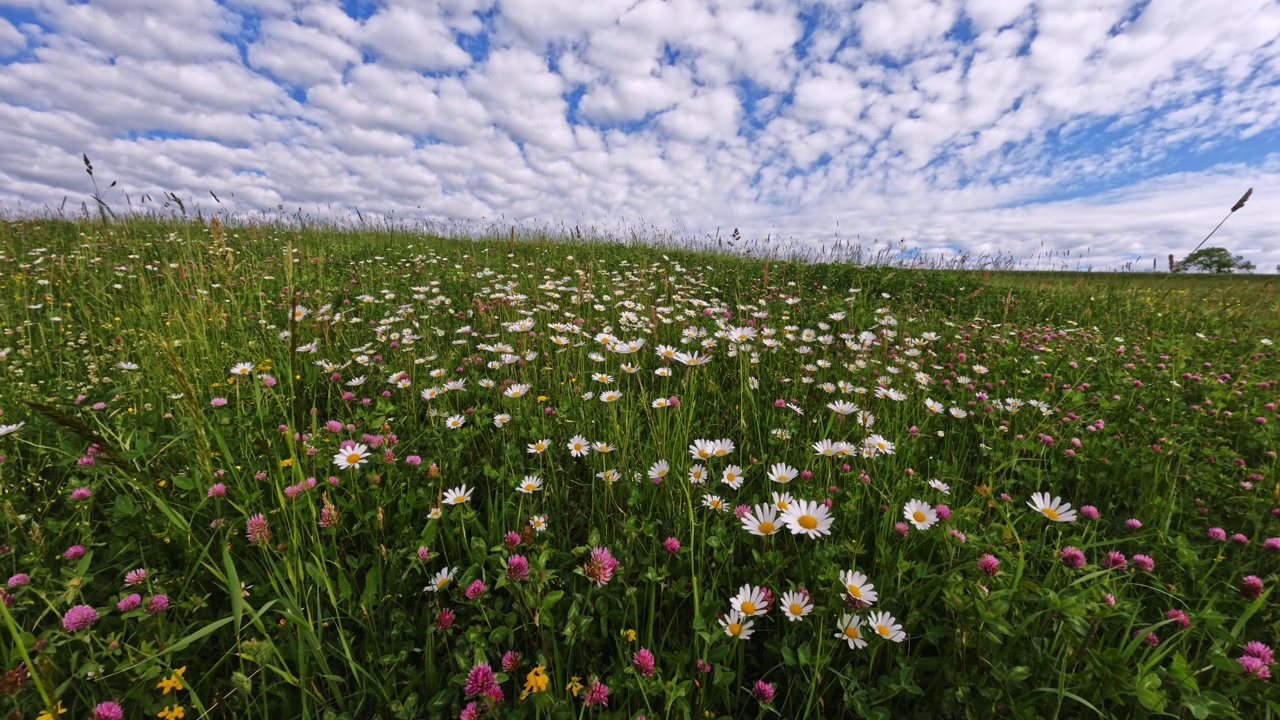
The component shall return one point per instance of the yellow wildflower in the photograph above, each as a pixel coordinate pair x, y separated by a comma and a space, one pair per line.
287, 462
56, 708
542, 398
173, 682
574, 686
175, 713
630, 635
536, 680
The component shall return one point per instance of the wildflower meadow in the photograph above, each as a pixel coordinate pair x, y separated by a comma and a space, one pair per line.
302, 471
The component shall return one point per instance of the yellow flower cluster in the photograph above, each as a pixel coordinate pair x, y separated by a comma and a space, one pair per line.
536, 680
173, 682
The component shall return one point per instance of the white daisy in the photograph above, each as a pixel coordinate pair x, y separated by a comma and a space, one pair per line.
441, 579
458, 495
920, 514
354, 455
850, 630
782, 473
855, 583
749, 601
795, 605
808, 518
1055, 509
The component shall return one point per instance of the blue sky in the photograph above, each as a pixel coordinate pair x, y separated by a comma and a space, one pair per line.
1113, 129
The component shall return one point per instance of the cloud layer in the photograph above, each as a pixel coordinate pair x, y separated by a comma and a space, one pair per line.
1113, 130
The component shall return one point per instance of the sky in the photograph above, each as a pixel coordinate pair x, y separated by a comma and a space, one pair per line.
1068, 134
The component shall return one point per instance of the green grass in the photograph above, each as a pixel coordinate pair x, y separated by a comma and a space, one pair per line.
1150, 398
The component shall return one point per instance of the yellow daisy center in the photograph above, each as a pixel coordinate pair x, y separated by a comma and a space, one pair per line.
783, 505
442, 582
765, 527
1050, 513
734, 628
530, 487
796, 609
918, 516
808, 522
882, 630
851, 632
748, 607
459, 498
855, 591
353, 458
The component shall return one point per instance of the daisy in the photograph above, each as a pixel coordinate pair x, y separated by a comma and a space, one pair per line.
808, 518
782, 473
602, 447
442, 578
243, 368
851, 630
732, 477
842, 408
538, 523
933, 406
662, 372
434, 513
722, 448
702, 449
517, 390
880, 444
886, 627
795, 605
577, 445
697, 474
783, 501
354, 455
919, 514
356, 381
531, 484
761, 521
430, 393
750, 601
855, 583
127, 365
940, 486
958, 413
539, 447
661, 403
736, 625
609, 396
501, 419
602, 377
11, 429
714, 502
610, 476
453, 422
825, 448
458, 495
1055, 510
659, 470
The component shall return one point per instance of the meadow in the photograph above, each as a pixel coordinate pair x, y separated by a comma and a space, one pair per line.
273, 471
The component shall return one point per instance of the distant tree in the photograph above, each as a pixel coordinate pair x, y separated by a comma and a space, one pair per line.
1214, 260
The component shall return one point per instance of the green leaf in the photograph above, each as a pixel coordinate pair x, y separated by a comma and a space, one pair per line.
551, 599
1148, 691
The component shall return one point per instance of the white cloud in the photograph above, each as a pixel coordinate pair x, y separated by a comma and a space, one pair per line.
673, 115
406, 37
11, 40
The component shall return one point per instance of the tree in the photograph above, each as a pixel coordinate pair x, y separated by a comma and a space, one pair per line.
1213, 259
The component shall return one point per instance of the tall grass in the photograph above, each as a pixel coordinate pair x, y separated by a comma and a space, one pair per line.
1154, 408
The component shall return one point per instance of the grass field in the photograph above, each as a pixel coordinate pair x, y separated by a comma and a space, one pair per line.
317, 472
